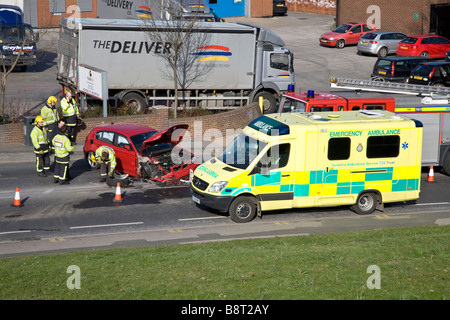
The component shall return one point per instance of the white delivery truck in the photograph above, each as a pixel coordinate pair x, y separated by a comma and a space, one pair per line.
245, 62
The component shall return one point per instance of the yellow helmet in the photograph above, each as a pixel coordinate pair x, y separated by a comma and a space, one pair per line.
52, 99
38, 119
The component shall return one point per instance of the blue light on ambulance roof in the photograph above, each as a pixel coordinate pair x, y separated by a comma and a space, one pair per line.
269, 126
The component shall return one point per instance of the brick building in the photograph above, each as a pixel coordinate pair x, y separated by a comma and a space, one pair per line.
407, 16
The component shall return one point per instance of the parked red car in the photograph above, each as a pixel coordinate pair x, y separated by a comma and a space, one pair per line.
143, 152
424, 46
345, 34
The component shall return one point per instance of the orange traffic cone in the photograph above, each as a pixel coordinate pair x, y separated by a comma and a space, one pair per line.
17, 202
118, 196
431, 175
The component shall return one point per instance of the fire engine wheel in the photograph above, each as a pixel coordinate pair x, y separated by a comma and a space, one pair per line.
92, 164
340, 44
366, 203
243, 209
269, 101
446, 163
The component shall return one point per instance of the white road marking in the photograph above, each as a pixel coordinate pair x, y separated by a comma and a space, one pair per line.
10, 232
107, 225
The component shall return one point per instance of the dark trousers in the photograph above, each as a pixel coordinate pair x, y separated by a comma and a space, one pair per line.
71, 122
42, 159
61, 171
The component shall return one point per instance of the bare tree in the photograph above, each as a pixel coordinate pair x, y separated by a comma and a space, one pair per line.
187, 39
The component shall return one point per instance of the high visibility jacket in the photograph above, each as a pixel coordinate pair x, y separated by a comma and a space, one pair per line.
49, 114
111, 156
69, 108
62, 145
38, 137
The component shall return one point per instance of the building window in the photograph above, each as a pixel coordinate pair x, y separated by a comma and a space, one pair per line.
85, 5
57, 6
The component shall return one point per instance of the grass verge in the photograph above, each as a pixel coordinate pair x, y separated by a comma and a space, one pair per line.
413, 264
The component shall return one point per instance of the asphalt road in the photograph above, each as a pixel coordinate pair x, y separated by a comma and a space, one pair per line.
82, 215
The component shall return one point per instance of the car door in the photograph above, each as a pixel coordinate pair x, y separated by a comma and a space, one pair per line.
126, 156
354, 34
443, 45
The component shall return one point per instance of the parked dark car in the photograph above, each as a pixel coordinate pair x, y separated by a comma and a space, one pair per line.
396, 69
432, 74
447, 56
279, 7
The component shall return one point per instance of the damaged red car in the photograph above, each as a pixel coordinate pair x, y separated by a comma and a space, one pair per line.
143, 152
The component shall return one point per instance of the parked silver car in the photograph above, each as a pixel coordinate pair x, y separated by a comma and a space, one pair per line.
380, 43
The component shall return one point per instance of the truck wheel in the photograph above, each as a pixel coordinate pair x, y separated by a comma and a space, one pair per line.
269, 101
366, 203
340, 44
446, 163
92, 164
243, 209
136, 101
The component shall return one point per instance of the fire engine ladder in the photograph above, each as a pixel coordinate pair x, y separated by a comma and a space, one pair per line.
392, 87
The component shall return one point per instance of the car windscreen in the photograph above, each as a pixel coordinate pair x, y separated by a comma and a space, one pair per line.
369, 36
343, 28
139, 139
242, 151
422, 70
409, 40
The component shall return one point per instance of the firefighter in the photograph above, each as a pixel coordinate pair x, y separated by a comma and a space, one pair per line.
106, 157
71, 114
41, 147
51, 117
63, 147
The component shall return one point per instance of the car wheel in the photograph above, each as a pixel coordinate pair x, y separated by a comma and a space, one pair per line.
424, 54
438, 85
340, 44
93, 165
382, 52
243, 209
366, 203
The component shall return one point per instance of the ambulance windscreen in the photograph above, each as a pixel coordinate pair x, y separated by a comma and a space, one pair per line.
242, 151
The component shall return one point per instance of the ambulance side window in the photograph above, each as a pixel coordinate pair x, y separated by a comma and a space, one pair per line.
383, 146
339, 148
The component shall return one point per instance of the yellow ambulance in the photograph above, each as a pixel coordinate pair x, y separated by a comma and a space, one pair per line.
293, 160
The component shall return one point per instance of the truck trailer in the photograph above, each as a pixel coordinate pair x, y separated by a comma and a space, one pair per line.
16, 39
245, 62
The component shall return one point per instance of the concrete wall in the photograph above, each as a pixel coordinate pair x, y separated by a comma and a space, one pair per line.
199, 127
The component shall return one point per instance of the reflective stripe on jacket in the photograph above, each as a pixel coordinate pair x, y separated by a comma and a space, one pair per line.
69, 108
38, 136
62, 145
49, 114
111, 156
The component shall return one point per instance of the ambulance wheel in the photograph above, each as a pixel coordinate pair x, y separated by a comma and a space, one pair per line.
243, 209
366, 203
92, 164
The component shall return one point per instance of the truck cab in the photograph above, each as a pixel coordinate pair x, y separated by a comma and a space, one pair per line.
16, 38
